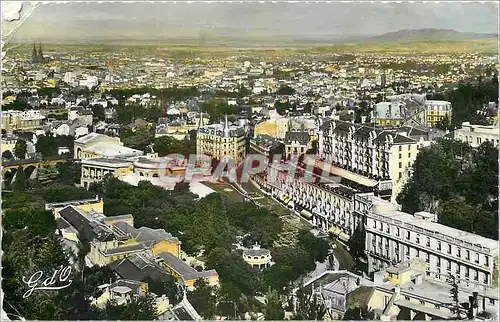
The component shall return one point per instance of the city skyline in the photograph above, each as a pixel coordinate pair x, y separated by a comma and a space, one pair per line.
83, 22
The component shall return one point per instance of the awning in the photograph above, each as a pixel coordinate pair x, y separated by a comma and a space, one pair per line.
306, 214
344, 237
335, 230
352, 176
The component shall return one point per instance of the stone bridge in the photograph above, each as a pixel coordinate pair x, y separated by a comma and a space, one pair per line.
29, 166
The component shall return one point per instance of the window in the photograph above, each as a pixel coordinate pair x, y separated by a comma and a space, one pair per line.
409, 155
400, 155
467, 255
486, 261
439, 245
400, 148
457, 269
438, 263
381, 226
422, 302
459, 253
400, 165
467, 272
428, 243
449, 249
427, 257
477, 258
374, 224
400, 175
436, 306
417, 239
387, 228
448, 265
407, 298
492, 301
476, 276
407, 235
397, 231
407, 251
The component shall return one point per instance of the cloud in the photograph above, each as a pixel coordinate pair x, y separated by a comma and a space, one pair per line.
76, 21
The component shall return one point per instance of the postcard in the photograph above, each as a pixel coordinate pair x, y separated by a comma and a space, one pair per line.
249, 160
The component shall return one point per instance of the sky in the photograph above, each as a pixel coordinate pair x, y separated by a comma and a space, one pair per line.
74, 22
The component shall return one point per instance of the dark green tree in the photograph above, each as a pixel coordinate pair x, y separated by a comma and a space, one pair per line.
285, 90
308, 306
7, 155
138, 308
20, 179
20, 149
167, 287
274, 307
318, 248
204, 299
359, 313
454, 294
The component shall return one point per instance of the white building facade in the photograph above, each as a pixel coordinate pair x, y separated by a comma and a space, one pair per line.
393, 236
475, 135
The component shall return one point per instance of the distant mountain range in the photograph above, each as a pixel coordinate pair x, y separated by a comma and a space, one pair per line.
410, 35
227, 40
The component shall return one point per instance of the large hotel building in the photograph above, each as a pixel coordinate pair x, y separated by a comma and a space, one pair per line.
393, 236
371, 159
221, 140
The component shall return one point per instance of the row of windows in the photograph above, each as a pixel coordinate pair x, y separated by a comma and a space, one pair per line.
439, 245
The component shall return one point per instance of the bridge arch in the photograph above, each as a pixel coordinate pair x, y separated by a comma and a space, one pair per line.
29, 171
8, 177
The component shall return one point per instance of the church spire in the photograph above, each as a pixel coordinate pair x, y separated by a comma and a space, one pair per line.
40, 52
34, 54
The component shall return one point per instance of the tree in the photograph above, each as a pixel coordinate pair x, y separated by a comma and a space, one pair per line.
7, 155
138, 308
140, 139
359, 313
37, 221
309, 306
98, 112
203, 299
444, 124
285, 90
47, 145
274, 307
451, 280
168, 287
357, 243
318, 248
20, 149
282, 108
20, 179
69, 173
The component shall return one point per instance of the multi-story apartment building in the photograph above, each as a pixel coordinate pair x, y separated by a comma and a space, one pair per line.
436, 111
475, 135
22, 120
370, 159
296, 144
393, 236
221, 140
389, 113
266, 145
328, 206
